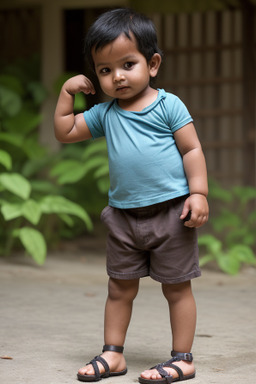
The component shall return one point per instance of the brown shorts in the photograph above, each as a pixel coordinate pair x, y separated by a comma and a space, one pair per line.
151, 241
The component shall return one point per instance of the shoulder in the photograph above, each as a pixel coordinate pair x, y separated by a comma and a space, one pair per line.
168, 98
176, 111
101, 107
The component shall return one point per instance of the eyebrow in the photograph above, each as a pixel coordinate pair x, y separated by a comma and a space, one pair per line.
125, 58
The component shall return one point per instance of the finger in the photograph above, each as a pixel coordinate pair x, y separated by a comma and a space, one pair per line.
200, 221
88, 87
185, 211
192, 220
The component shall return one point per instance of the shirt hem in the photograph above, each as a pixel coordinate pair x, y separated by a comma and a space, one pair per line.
145, 203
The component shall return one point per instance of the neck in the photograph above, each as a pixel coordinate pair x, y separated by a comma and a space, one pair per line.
139, 102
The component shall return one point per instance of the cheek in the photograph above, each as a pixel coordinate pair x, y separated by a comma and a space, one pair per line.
105, 83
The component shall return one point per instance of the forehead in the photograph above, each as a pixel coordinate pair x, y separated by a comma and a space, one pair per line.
122, 46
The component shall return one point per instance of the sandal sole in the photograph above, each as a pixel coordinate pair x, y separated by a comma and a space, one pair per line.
92, 378
163, 381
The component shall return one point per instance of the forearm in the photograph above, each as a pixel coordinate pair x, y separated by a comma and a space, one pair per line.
196, 172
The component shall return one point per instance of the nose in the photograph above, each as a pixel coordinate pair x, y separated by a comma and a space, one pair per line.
118, 76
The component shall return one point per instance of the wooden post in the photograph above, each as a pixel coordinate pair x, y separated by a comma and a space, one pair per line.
249, 93
52, 66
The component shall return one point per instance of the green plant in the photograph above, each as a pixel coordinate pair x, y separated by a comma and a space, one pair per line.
233, 225
27, 192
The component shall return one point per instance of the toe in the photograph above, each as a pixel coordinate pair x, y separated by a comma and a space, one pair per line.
151, 374
87, 370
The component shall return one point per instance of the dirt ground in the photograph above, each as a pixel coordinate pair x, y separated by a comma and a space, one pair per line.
52, 322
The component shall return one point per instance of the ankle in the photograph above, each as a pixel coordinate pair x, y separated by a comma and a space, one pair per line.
112, 348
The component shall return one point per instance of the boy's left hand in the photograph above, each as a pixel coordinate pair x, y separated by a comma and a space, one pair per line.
198, 206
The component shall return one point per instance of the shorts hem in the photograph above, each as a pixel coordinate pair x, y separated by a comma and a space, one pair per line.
127, 276
176, 280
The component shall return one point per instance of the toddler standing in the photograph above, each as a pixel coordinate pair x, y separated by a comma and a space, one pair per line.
158, 187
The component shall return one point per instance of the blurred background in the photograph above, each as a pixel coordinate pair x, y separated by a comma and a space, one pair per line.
50, 193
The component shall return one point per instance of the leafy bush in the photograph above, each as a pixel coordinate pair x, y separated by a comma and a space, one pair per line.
233, 224
27, 192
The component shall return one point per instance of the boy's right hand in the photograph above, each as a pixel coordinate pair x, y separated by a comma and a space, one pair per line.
77, 84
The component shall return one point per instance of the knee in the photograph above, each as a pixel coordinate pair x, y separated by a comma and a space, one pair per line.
176, 292
125, 290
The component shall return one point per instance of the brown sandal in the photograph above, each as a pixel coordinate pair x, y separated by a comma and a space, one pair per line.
166, 377
97, 375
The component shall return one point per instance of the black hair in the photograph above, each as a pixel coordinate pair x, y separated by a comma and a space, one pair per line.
110, 25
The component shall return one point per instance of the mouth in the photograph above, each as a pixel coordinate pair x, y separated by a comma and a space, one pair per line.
121, 89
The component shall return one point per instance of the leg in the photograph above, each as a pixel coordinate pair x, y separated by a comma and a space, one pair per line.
118, 310
183, 321
182, 309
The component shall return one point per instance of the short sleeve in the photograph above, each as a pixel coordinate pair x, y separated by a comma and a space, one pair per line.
178, 114
93, 119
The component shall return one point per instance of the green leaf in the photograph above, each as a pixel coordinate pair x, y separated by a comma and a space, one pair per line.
31, 211
34, 166
216, 192
205, 260
37, 91
12, 83
5, 159
243, 253
245, 193
212, 244
95, 162
228, 263
94, 148
103, 184
28, 209
102, 171
80, 102
25, 121
33, 149
11, 211
61, 205
69, 171
252, 218
10, 101
43, 186
16, 184
34, 243
244, 235
226, 219
67, 219
16, 139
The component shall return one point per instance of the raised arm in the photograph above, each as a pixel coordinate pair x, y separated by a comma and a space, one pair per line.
195, 169
70, 128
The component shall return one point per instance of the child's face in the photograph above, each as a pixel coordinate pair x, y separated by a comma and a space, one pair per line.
123, 72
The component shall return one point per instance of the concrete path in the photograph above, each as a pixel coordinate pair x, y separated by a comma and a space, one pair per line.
51, 322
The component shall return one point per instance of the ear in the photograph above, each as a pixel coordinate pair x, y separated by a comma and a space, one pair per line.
154, 64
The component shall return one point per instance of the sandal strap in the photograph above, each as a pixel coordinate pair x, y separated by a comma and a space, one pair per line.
165, 375
112, 348
93, 362
97, 373
182, 356
176, 368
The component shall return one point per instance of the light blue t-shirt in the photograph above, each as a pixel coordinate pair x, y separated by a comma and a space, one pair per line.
145, 166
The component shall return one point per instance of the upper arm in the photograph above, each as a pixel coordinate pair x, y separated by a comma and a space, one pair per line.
79, 132
186, 139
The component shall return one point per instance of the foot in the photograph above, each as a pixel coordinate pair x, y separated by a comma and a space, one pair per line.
188, 368
115, 360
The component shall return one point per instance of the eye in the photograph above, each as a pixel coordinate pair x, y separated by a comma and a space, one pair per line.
129, 65
104, 71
